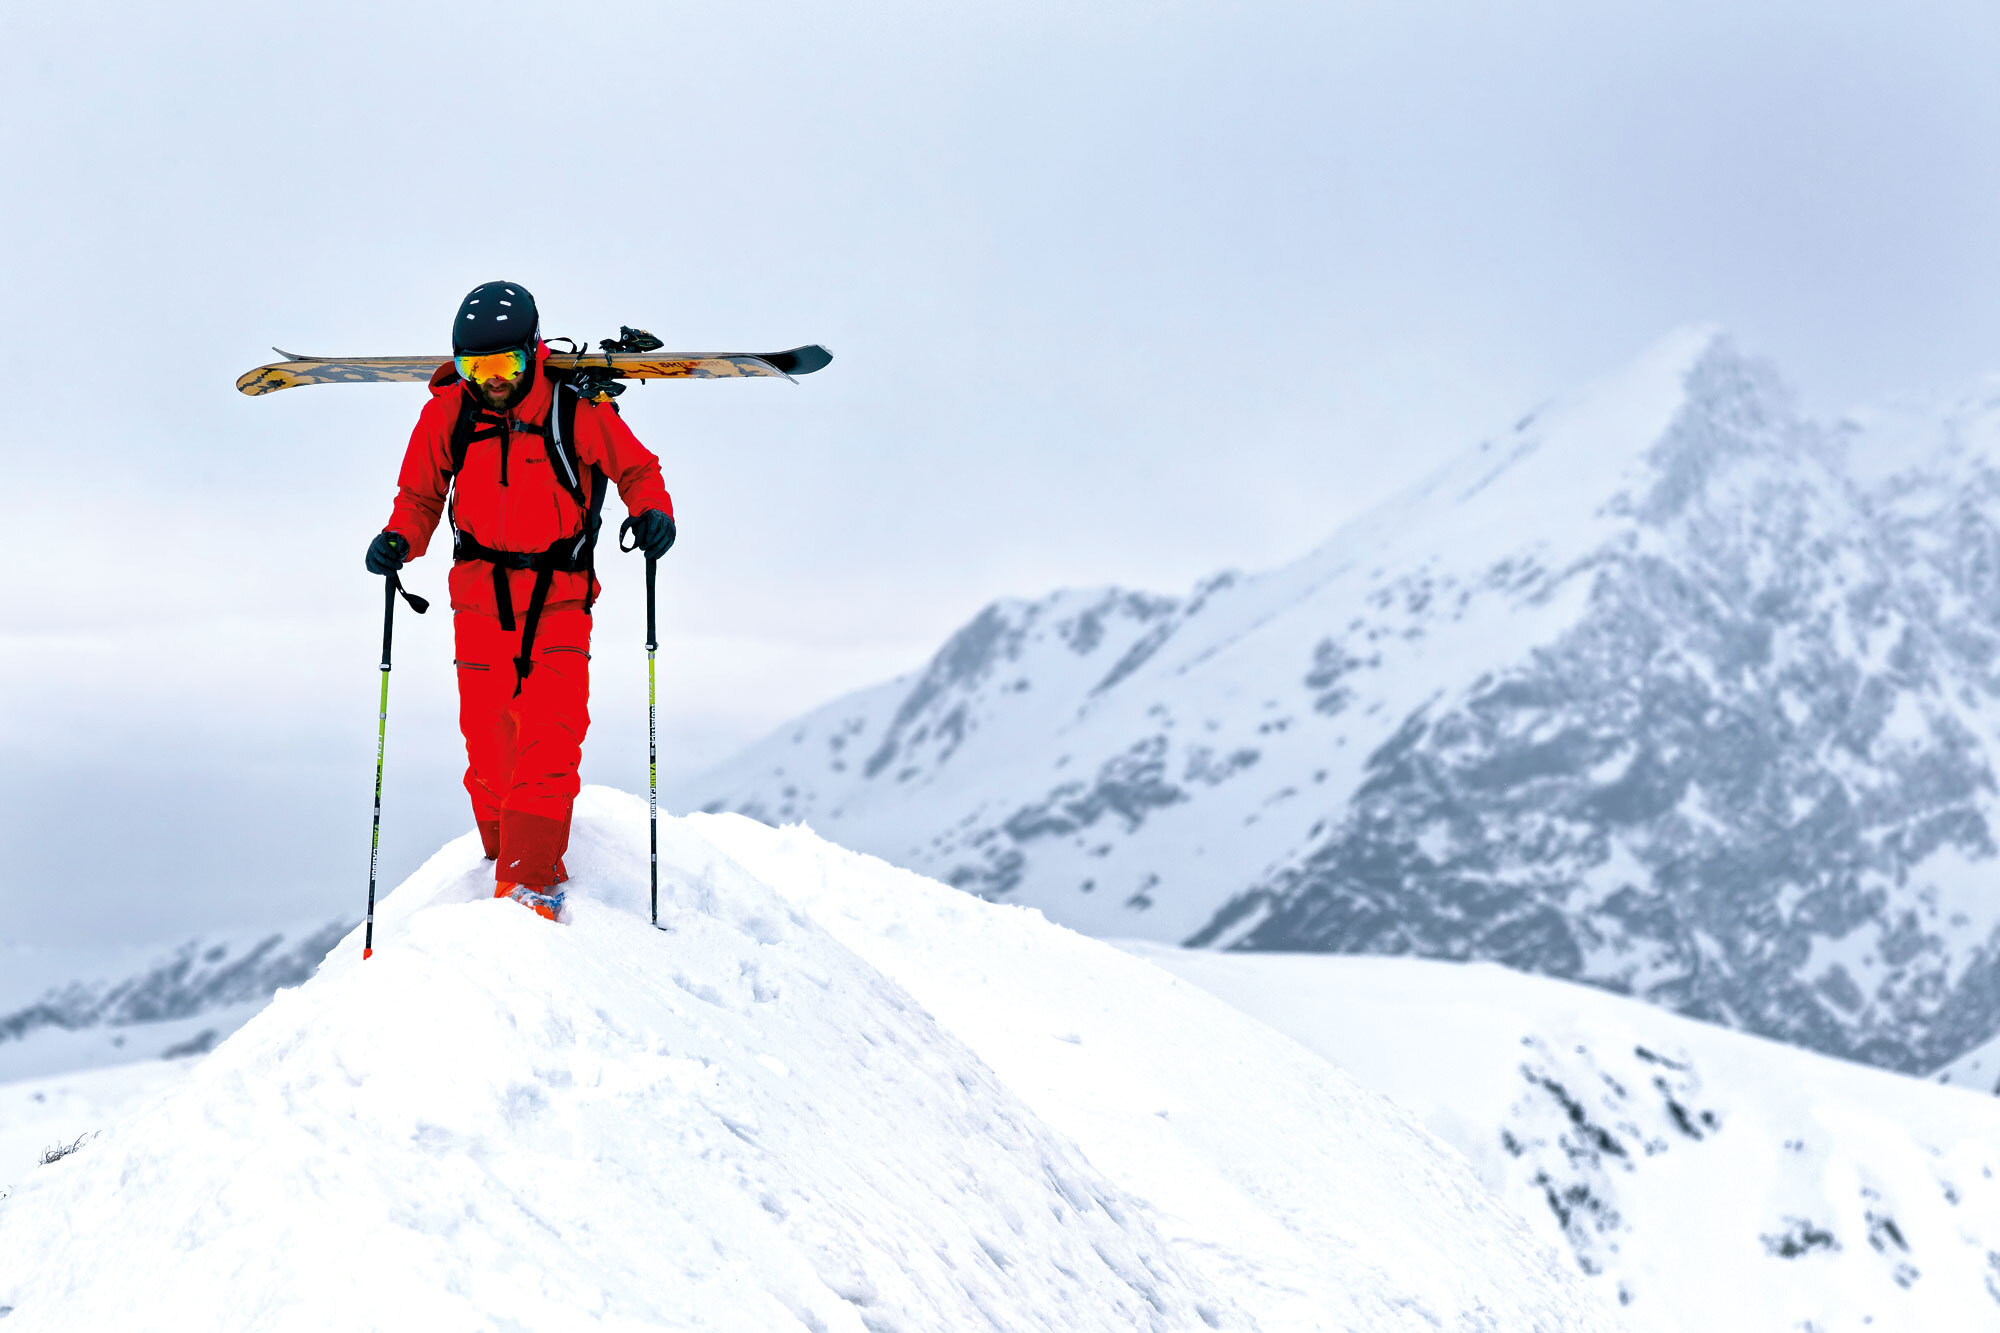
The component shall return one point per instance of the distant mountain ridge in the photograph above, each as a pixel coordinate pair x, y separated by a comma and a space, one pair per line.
182, 1003
1667, 689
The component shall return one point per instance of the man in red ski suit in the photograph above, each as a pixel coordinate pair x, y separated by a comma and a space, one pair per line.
499, 442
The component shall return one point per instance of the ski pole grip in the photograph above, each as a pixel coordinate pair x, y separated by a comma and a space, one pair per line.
392, 587
388, 617
652, 631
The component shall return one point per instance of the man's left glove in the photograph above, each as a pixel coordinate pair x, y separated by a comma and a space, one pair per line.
387, 553
652, 532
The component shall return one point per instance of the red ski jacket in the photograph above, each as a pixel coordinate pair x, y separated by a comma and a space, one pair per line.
508, 496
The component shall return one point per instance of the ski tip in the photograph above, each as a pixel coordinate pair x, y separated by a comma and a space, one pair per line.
260, 380
366, 954
800, 360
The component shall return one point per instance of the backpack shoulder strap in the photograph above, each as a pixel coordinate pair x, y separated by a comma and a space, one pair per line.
461, 434
570, 469
586, 485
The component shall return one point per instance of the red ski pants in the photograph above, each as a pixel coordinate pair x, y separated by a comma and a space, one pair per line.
522, 749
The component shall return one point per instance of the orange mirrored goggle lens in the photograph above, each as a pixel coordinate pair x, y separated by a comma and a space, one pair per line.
478, 367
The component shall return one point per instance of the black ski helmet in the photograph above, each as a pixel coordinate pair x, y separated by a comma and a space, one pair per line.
493, 317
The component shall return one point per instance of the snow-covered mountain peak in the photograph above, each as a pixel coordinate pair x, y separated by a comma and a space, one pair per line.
829, 1095
1641, 440
1654, 689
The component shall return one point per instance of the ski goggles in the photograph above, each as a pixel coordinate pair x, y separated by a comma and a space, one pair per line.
479, 367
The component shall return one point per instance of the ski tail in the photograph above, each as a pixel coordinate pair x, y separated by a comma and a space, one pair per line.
800, 360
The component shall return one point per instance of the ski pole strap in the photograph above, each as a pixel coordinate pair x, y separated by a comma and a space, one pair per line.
417, 604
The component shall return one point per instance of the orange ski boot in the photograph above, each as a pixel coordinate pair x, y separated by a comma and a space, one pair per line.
545, 903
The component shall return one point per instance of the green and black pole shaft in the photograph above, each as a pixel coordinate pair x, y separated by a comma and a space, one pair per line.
391, 586
652, 742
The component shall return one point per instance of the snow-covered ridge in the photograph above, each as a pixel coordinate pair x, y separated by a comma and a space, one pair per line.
1703, 1178
829, 1095
1664, 688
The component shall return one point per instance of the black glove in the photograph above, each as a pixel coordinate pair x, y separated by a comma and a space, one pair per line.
652, 532
387, 553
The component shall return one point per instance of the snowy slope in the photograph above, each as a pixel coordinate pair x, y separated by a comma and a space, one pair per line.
1278, 1170
61, 1010
43, 1114
1708, 1179
1664, 688
742, 1123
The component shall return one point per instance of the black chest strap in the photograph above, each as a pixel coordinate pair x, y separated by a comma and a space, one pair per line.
477, 422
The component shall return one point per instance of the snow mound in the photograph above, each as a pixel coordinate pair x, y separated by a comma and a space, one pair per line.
830, 1096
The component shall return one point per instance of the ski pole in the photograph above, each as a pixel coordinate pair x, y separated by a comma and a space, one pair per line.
652, 743
391, 586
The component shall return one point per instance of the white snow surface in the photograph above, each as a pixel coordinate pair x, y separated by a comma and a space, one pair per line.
43, 1114
1711, 1180
831, 1095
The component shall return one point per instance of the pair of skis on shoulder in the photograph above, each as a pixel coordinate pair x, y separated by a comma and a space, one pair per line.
296, 370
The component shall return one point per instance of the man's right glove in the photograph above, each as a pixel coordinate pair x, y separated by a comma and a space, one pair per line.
387, 553
652, 532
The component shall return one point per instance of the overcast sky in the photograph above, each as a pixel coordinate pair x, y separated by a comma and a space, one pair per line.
1119, 293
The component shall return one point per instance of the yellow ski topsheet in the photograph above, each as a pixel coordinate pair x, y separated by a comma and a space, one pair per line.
624, 365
